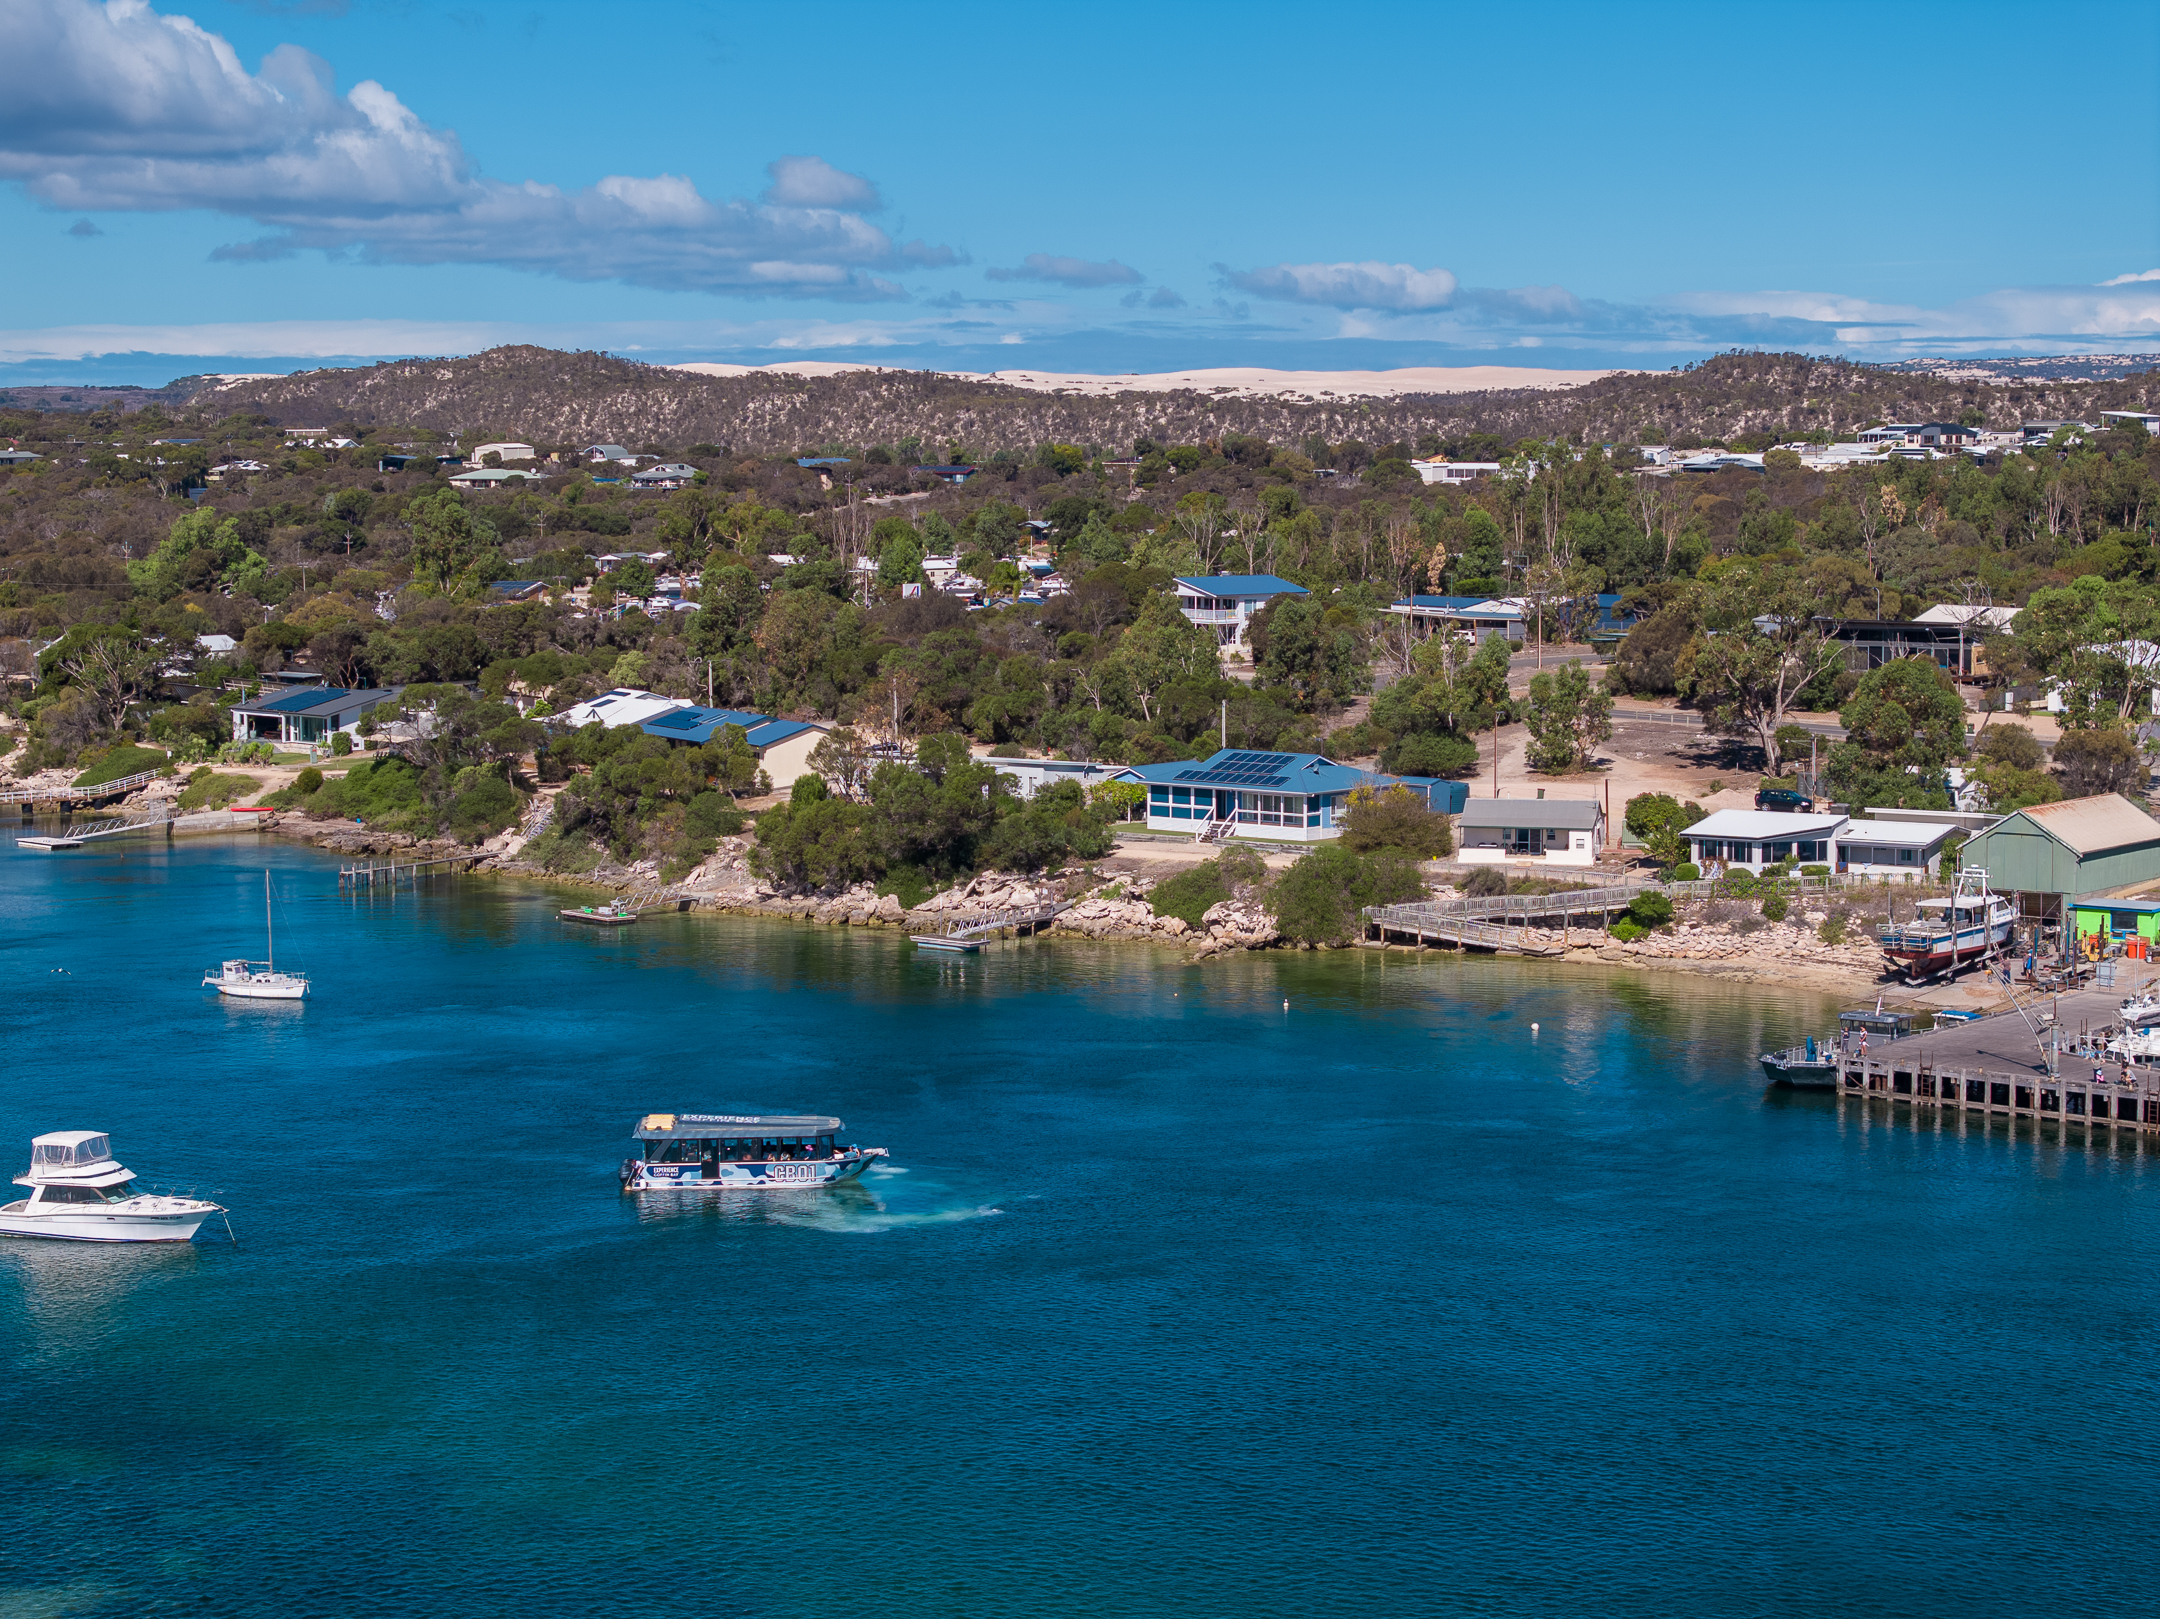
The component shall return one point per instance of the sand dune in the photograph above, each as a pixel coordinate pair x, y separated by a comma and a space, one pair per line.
1243, 381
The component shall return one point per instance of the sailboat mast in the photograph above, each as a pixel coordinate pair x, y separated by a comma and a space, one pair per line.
269, 932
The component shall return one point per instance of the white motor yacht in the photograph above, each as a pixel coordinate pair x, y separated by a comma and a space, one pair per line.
80, 1193
259, 980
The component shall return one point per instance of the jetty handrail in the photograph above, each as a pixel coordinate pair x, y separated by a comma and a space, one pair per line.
79, 830
119, 786
959, 924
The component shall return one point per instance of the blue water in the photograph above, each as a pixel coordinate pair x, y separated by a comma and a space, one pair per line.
1174, 1300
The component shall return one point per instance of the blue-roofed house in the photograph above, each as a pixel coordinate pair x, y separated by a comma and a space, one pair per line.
308, 715
1226, 602
783, 746
955, 473
1290, 797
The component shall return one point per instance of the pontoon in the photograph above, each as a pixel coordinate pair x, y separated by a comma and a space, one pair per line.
741, 1152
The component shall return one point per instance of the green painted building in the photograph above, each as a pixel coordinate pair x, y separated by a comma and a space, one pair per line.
2118, 918
2051, 854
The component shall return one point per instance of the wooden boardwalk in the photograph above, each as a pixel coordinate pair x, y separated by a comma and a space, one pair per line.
965, 927
1502, 924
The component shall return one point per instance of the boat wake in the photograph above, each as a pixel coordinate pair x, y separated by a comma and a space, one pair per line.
850, 1210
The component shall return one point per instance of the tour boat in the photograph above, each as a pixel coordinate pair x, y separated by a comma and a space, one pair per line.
730, 1152
1971, 926
259, 980
79, 1193
2136, 1045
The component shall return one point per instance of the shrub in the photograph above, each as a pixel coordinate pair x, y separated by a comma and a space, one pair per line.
1814, 871
1396, 818
340, 743
484, 808
1317, 901
1626, 929
1487, 882
1651, 910
382, 792
1687, 872
1773, 906
210, 791
1741, 883
1832, 930
1190, 893
127, 760
1429, 754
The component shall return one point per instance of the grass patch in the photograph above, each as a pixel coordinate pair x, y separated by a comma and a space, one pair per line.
122, 761
208, 790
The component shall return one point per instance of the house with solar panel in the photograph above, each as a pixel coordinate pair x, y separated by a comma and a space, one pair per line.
307, 715
1281, 797
1227, 602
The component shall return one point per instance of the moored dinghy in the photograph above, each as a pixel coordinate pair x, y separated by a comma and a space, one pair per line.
80, 1193
742, 1152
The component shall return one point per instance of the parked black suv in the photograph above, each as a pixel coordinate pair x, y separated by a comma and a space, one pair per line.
1784, 798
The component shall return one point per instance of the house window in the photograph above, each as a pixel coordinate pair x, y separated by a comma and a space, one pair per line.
1270, 809
1908, 857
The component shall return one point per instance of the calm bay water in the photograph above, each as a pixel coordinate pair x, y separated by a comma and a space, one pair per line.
1175, 1300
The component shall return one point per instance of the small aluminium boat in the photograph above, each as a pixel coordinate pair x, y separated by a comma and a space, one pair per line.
1813, 1065
80, 1194
733, 1152
2142, 1011
259, 980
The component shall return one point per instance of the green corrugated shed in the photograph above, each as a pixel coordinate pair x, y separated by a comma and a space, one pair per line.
2079, 846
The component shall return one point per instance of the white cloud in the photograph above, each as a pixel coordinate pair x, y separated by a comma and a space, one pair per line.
2125, 280
811, 182
119, 108
1079, 273
1368, 285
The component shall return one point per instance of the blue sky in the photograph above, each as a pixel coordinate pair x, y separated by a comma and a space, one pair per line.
1116, 188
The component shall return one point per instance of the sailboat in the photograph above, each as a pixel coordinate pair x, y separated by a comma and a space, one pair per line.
242, 981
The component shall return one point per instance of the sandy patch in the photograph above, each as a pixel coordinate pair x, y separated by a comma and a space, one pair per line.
1241, 381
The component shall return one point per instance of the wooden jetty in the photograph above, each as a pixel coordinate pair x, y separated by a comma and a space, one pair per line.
963, 932
2048, 1069
67, 799
79, 833
388, 876
1502, 923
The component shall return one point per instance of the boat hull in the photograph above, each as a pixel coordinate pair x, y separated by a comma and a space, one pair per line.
599, 919
97, 1225
1800, 1073
1968, 947
263, 992
786, 1175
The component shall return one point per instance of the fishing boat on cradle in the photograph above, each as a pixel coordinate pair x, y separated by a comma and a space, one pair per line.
727, 1152
80, 1194
611, 915
1972, 926
242, 981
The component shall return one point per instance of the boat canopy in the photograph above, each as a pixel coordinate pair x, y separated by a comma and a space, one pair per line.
731, 1126
70, 1149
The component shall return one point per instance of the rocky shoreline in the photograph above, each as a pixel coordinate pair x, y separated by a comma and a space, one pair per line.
1788, 953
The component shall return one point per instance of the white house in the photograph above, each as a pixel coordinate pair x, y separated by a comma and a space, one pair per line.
1907, 849
491, 477
1227, 602
1552, 831
666, 475
607, 452
1753, 839
1475, 616
1439, 469
625, 705
506, 452
2146, 419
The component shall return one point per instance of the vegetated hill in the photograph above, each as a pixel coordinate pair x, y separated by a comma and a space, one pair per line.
553, 397
123, 397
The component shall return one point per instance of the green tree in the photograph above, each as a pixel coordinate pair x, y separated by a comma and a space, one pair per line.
1569, 717
2093, 638
447, 542
2100, 760
1765, 648
1161, 647
1399, 819
1319, 900
1904, 723
813, 841
1659, 819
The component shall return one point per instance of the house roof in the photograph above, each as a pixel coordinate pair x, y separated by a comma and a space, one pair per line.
624, 705
1754, 824
1442, 604
2092, 825
1244, 584
1570, 814
1917, 834
1995, 618
1260, 772
695, 724
315, 697
779, 731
